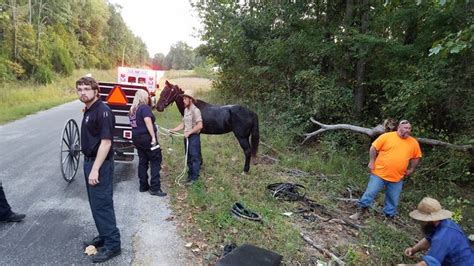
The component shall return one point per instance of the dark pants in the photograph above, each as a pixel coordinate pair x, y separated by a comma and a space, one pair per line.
194, 156
5, 209
148, 158
102, 203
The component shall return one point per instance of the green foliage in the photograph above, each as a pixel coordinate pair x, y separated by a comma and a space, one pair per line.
295, 60
57, 38
158, 61
206, 69
61, 59
10, 70
180, 56
386, 243
43, 75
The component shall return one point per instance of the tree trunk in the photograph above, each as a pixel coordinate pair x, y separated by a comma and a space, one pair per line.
349, 14
29, 11
359, 90
15, 29
38, 28
348, 18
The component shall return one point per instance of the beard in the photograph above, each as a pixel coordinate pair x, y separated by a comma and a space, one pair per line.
428, 228
86, 99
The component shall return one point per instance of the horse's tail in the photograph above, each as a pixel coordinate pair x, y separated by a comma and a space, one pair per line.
254, 136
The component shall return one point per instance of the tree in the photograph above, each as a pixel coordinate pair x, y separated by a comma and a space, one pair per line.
158, 61
180, 56
42, 36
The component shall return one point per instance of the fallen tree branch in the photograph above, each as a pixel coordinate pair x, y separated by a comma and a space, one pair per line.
347, 199
379, 129
313, 205
322, 250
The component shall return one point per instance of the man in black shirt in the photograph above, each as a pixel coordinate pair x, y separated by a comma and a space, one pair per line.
96, 141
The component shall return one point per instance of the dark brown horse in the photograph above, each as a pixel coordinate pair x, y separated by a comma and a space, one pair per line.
219, 119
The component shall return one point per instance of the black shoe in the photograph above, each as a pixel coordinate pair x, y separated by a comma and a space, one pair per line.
13, 217
96, 242
228, 249
189, 182
105, 254
144, 189
240, 211
158, 193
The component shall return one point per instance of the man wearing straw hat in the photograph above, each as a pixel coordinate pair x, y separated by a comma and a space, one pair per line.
444, 239
192, 125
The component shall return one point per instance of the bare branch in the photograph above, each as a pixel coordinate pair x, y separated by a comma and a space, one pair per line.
370, 132
379, 129
322, 250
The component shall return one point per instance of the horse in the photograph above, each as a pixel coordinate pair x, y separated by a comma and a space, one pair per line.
219, 120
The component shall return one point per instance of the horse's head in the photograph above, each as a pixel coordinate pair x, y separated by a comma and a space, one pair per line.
167, 96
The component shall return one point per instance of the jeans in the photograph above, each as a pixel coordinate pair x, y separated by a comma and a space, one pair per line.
194, 156
148, 158
5, 210
102, 204
392, 194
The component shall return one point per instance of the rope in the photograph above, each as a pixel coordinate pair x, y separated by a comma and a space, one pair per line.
177, 180
166, 132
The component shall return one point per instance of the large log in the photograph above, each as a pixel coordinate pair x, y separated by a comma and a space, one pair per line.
379, 129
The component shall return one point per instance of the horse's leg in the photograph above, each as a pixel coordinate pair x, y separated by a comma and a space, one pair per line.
245, 144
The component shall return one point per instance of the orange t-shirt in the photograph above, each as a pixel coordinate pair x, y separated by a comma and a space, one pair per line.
393, 155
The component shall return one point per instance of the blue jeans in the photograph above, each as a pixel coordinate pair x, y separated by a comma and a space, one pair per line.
194, 156
392, 194
102, 203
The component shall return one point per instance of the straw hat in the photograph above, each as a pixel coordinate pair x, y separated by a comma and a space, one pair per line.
190, 94
429, 210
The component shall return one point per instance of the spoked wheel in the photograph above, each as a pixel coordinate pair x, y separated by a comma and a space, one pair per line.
70, 150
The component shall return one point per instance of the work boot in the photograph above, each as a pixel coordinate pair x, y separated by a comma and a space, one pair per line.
96, 242
358, 214
13, 217
105, 254
144, 188
158, 193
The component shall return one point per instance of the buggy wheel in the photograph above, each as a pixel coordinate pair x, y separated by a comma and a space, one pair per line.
70, 150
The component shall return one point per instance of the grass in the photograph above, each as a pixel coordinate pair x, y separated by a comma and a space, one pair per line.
176, 74
19, 99
203, 209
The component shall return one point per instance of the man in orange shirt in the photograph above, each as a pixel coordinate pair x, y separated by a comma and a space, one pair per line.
393, 156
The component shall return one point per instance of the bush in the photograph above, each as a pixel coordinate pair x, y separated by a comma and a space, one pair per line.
62, 62
43, 75
10, 70
5, 73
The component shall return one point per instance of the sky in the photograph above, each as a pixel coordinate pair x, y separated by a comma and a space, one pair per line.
161, 23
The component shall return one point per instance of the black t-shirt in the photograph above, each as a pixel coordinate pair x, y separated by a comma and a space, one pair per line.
98, 123
137, 121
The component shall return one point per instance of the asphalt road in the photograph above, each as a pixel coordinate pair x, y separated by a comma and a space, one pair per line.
58, 214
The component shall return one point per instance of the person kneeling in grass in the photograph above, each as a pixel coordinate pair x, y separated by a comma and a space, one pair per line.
444, 240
